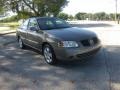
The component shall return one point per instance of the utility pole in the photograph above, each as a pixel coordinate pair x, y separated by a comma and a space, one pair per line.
116, 6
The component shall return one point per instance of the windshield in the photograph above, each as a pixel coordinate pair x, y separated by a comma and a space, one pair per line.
52, 23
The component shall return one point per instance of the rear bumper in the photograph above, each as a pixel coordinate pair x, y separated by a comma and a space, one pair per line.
69, 54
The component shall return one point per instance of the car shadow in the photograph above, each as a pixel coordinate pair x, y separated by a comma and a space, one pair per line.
69, 63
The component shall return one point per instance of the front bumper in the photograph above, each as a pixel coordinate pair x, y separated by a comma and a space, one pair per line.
76, 53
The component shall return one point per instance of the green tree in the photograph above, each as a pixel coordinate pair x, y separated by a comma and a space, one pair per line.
2, 9
112, 16
63, 16
80, 16
36, 7
70, 17
100, 16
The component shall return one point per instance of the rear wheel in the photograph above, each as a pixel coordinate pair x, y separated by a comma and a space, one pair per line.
49, 54
21, 44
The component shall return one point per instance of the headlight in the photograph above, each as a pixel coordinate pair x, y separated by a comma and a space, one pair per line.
68, 44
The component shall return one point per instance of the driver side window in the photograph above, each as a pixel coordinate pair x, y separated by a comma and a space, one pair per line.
33, 23
25, 25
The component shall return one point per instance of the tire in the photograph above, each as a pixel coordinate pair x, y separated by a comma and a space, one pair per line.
49, 54
21, 44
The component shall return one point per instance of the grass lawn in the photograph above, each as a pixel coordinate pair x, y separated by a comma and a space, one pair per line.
8, 26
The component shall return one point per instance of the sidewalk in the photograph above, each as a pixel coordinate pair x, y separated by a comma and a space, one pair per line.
7, 32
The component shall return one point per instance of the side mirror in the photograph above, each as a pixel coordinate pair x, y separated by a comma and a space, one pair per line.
33, 29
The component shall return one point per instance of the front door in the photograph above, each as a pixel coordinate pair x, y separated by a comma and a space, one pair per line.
34, 37
23, 31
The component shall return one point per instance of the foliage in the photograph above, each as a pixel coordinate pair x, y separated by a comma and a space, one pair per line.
100, 16
10, 19
112, 16
63, 16
12, 25
80, 16
96, 16
36, 7
70, 17
2, 6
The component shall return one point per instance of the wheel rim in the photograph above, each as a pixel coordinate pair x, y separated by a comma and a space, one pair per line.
48, 54
20, 43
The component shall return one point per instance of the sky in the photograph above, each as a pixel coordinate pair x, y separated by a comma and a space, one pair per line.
91, 6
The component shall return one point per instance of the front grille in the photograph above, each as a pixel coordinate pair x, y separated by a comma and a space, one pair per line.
95, 40
89, 42
85, 42
88, 53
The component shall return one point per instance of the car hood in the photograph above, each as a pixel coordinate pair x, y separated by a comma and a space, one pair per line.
71, 34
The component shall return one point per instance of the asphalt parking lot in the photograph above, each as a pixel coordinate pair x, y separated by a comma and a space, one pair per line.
27, 70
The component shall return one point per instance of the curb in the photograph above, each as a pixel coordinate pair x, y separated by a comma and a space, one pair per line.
1, 34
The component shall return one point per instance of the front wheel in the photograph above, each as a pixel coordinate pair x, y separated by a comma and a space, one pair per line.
49, 54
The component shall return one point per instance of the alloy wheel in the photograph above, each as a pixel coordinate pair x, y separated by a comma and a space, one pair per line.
48, 55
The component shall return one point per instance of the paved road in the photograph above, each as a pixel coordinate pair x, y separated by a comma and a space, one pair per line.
26, 70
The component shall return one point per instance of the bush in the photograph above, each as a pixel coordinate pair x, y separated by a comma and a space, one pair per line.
81, 16
63, 16
10, 19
